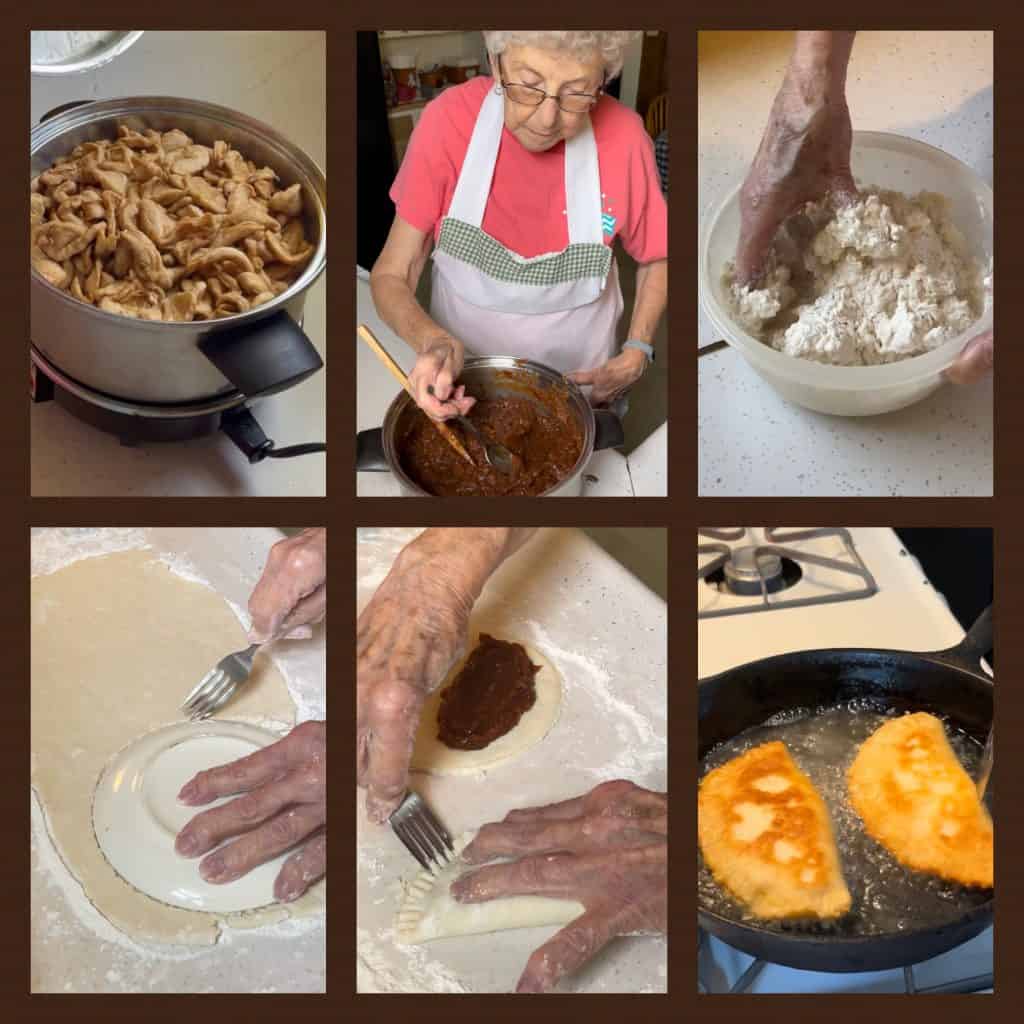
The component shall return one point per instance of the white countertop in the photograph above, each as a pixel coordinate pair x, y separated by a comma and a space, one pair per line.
280, 78
605, 634
609, 474
932, 86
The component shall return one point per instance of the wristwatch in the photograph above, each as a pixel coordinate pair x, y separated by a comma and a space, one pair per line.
648, 350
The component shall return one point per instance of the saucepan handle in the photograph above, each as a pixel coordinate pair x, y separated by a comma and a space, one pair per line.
608, 432
60, 109
370, 457
974, 646
262, 358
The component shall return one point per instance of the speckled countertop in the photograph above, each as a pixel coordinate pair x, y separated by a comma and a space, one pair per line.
932, 86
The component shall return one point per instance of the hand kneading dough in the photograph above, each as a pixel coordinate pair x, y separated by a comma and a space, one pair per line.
429, 911
431, 755
915, 798
117, 643
766, 836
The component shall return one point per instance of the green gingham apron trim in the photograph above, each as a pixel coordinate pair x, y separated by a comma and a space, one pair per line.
474, 246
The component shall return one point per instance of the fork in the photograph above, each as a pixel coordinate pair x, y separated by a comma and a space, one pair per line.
218, 686
422, 833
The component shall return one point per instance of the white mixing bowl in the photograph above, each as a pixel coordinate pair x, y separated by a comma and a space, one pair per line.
888, 161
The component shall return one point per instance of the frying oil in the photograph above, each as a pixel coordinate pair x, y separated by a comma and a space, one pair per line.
887, 897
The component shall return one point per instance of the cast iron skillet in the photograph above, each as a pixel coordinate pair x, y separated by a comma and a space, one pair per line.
949, 683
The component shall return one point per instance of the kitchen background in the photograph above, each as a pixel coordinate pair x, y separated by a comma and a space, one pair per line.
400, 71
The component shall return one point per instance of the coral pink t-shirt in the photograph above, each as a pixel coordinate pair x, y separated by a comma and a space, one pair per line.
526, 207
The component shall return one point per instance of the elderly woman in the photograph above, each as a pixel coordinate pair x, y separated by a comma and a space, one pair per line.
520, 183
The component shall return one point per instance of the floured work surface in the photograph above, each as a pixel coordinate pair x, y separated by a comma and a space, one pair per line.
117, 641
604, 634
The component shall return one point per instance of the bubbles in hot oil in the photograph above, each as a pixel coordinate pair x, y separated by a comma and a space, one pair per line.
887, 897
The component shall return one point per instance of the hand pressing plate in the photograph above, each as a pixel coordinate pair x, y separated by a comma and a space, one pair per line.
136, 815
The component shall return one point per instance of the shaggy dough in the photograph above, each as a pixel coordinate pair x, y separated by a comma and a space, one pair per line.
431, 755
880, 280
428, 910
117, 642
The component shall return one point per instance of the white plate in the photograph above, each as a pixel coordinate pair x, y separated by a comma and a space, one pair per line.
94, 51
136, 815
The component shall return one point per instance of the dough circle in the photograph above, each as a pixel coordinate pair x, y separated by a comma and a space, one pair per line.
117, 642
432, 756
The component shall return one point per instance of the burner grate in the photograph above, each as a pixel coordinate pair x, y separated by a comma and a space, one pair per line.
854, 566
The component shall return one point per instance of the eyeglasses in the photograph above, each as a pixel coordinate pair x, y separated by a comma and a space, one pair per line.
528, 96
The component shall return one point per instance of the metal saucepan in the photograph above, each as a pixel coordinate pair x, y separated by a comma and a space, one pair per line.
947, 683
258, 352
494, 377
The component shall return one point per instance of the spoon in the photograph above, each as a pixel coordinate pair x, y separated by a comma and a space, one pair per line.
497, 455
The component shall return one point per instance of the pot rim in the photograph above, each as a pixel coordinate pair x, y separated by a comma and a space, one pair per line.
48, 131
401, 401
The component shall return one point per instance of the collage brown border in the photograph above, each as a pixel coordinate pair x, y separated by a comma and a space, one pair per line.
680, 513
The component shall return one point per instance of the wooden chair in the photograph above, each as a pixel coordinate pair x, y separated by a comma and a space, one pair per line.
657, 115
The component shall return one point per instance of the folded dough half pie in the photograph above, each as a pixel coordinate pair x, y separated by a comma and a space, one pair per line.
429, 911
766, 836
915, 798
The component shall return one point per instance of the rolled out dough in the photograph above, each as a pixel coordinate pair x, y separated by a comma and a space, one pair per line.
428, 910
431, 755
117, 643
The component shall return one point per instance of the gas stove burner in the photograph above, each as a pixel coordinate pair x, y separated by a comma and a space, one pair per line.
710, 979
760, 572
749, 567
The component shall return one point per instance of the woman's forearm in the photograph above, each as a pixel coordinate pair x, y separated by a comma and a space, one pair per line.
822, 55
466, 557
396, 303
651, 299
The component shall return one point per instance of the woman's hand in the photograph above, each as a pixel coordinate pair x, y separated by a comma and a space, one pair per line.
437, 367
284, 803
292, 592
407, 638
614, 378
805, 151
974, 362
608, 850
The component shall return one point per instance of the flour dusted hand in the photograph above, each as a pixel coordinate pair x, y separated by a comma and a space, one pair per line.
407, 638
292, 592
975, 361
283, 804
608, 850
882, 279
805, 150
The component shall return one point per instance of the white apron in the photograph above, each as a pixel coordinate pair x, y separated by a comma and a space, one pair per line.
560, 309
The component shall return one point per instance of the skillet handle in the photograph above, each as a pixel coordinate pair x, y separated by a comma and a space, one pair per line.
263, 358
974, 646
370, 457
608, 432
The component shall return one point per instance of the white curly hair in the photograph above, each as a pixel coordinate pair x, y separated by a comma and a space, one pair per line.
610, 45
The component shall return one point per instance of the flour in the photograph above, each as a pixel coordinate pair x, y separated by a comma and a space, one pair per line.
880, 280
56, 47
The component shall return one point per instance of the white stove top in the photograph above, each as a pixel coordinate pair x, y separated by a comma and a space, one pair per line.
906, 613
